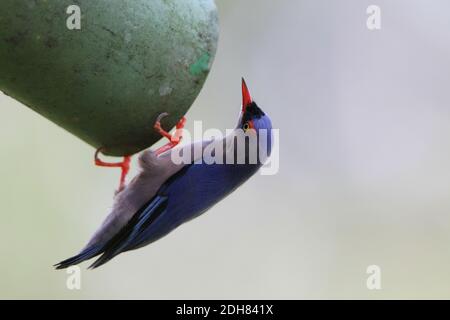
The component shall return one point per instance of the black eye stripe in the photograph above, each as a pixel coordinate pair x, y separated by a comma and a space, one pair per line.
252, 111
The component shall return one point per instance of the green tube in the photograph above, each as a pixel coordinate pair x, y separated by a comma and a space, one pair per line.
107, 82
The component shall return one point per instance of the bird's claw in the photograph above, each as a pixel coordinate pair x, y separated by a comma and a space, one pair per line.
124, 166
160, 117
173, 139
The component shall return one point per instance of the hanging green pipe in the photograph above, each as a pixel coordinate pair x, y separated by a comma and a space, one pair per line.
108, 81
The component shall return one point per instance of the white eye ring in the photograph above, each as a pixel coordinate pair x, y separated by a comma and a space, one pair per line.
246, 127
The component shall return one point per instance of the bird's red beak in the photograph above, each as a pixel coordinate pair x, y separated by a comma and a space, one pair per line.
246, 97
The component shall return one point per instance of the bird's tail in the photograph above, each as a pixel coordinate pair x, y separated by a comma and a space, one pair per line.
124, 239
84, 255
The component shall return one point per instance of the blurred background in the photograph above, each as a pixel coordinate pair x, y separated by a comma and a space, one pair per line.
364, 168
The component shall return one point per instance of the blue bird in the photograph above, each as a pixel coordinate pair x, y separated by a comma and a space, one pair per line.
166, 194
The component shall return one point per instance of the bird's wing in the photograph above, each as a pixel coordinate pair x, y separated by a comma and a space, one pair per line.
136, 225
96, 249
186, 195
155, 171
127, 205
117, 225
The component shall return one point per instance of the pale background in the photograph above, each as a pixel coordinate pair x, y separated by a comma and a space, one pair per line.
364, 178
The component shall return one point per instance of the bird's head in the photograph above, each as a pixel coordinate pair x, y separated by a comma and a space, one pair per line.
252, 117
253, 121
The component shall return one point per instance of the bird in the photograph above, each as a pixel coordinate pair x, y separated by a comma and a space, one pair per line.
166, 194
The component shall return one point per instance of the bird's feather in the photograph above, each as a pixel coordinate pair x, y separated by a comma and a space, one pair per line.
138, 223
191, 192
133, 199
178, 192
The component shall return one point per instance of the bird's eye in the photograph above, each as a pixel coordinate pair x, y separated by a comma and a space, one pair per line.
246, 127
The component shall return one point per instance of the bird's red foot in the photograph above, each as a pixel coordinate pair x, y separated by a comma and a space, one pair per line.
124, 165
174, 139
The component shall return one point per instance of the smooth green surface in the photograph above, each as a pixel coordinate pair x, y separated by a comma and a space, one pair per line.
107, 82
